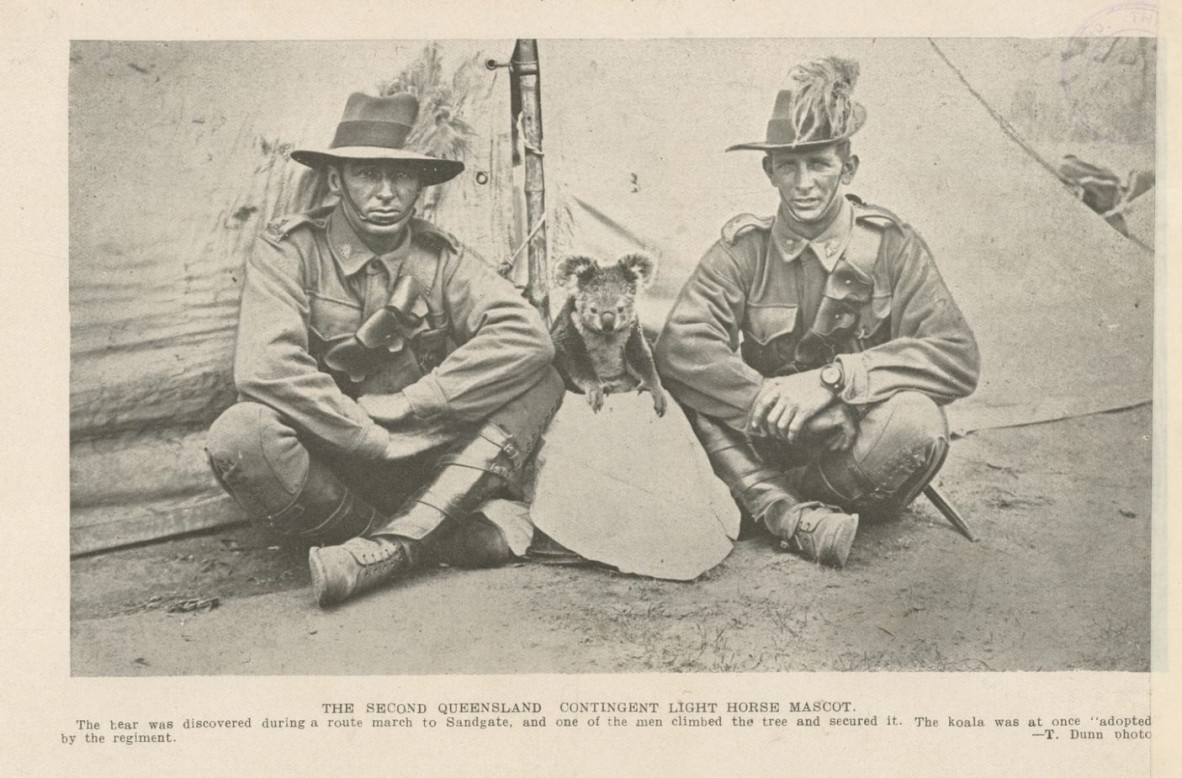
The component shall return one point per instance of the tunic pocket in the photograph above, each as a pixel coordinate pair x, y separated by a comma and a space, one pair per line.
330, 319
332, 325
765, 323
768, 342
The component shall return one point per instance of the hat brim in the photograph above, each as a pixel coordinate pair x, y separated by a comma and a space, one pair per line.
430, 170
859, 122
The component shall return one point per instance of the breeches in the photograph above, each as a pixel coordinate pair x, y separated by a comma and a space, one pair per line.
295, 486
900, 445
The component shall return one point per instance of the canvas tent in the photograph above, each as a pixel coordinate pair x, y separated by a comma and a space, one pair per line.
178, 159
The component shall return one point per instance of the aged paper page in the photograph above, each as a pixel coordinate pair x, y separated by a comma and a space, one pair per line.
1043, 649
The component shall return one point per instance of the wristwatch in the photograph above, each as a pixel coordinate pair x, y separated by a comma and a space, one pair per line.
832, 377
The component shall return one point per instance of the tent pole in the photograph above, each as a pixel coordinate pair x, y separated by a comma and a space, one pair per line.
525, 71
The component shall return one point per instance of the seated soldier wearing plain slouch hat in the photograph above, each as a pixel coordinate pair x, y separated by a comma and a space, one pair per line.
813, 350
390, 385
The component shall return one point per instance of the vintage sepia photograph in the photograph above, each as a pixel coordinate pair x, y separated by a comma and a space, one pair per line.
607, 356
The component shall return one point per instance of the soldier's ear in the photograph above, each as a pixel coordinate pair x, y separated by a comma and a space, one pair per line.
638, 268
333, 176
849, 169
567, 268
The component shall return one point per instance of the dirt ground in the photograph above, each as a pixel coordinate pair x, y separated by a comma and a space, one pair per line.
1060, 580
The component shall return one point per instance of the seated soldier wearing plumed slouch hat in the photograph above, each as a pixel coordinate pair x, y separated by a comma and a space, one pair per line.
390, 385
813, 350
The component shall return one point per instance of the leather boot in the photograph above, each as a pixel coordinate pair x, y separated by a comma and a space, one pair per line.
324, 510
464, 480
818, 532
475, 543
358, 565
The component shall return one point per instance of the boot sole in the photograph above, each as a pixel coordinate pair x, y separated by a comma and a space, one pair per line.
843, 541
319, 577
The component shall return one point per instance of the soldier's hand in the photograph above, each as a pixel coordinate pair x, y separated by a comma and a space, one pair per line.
836, 427
786, 403
386, 409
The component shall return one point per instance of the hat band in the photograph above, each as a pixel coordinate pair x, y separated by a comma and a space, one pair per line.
783, 131
389, 135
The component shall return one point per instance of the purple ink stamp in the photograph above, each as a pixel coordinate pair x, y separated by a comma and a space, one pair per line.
1108, 74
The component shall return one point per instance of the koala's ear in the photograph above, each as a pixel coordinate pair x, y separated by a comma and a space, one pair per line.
639, 268
573, 267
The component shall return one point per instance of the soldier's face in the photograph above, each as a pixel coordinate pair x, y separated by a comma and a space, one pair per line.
810, 181
381, 194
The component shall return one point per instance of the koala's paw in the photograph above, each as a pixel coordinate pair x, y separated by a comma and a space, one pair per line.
595, 398
659, 402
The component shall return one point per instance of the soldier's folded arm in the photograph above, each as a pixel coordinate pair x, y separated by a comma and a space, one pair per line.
503, 346
272, 363
931, 350
697, 353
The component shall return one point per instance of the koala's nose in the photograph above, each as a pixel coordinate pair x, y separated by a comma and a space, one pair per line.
608, 321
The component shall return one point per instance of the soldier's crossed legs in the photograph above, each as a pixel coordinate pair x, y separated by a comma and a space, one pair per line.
900, 446
297, 489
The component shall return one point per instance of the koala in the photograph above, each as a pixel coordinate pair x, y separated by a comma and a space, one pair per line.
599, 342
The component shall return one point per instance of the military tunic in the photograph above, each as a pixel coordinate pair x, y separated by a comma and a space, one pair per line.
741, 315
467, 345
325, 322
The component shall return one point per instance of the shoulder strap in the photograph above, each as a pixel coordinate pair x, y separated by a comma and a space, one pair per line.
742, 223
279, 229
875, 214
432, 235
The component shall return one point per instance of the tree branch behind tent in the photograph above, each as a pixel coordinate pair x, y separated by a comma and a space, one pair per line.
441, 129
